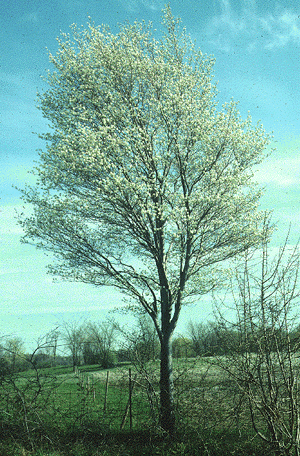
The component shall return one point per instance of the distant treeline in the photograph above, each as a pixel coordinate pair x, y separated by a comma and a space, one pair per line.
107, 344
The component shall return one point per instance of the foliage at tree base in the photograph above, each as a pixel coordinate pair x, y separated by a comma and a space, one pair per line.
142, 443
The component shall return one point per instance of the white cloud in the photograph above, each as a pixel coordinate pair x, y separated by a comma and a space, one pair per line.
283, 172
250, 29
282, 167
282, 30
279, 174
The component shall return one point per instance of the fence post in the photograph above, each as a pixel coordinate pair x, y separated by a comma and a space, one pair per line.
106, 391
130, 400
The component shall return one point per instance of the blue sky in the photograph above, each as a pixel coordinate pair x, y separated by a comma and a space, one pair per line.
256, 44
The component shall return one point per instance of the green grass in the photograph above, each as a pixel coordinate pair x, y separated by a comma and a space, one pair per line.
67, 417
73, 401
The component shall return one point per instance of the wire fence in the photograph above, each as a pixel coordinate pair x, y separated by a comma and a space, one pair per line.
129, 399
118, 399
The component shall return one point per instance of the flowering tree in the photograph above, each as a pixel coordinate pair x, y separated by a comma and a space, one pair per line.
144, 184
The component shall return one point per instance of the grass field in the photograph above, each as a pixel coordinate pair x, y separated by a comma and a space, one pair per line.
56, 412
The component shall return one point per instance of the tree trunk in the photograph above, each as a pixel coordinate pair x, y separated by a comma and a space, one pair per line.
167, 415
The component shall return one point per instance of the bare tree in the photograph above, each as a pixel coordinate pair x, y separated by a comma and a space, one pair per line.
51, 344
98, 343
263, 360
13, 349
143, 185
73, 335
